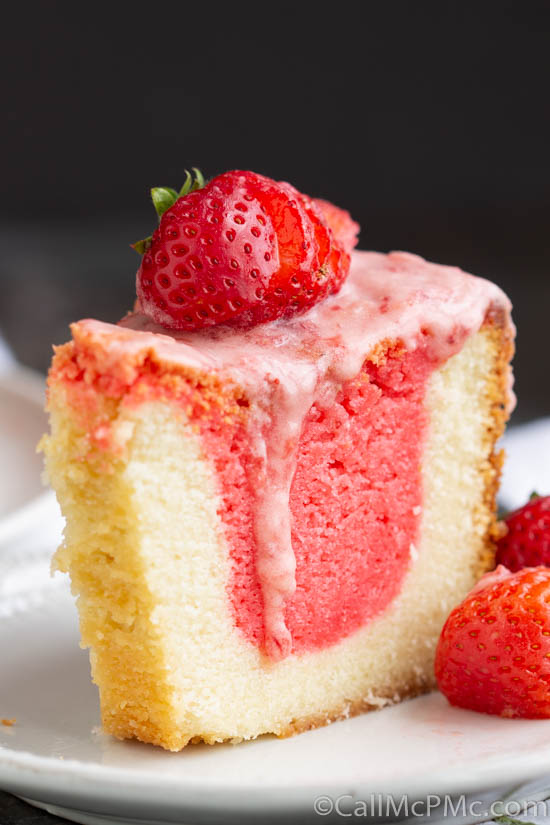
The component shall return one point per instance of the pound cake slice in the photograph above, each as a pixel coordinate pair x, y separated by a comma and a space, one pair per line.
268, 526
267, 530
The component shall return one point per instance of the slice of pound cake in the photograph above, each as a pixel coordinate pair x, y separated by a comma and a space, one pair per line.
269, 522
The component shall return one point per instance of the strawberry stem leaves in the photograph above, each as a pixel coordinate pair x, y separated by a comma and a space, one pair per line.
141, 247
199, 180
186, 187
164, 197
192, 182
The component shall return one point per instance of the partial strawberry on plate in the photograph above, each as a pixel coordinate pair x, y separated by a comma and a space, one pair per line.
279, 472
526, 542
494, 652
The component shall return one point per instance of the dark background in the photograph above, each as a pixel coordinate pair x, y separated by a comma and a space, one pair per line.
428, 120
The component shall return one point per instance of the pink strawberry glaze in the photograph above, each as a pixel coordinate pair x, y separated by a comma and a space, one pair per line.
310, 566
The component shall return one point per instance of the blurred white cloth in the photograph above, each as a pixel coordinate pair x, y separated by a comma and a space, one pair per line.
6, 358
527, 466
29, 536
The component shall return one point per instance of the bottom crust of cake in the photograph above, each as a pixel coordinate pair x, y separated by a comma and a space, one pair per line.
348, 711
169, 663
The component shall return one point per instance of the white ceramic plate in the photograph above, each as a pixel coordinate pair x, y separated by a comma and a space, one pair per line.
55, 753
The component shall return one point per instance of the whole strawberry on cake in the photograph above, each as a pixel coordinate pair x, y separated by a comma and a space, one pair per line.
278, 472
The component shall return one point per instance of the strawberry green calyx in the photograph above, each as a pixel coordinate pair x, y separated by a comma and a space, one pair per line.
141, 247
164, 197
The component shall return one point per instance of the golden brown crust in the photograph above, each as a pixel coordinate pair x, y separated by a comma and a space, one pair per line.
89, 385
126, 726
500, 330
348, 710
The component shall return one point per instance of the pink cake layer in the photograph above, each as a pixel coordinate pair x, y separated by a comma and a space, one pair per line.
355, 503
318, 548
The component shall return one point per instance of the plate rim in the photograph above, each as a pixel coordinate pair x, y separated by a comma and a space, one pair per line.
48, 778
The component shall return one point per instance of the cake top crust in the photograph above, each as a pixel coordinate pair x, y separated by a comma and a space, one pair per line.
393, 297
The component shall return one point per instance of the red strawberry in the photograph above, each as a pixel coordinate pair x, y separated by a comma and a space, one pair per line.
527, 542
493, 655
342, 224
242, 249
